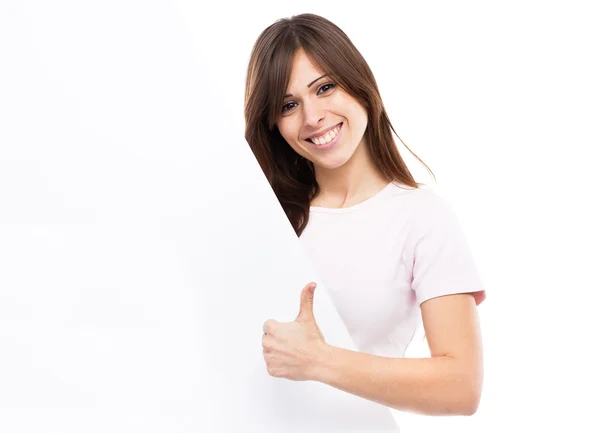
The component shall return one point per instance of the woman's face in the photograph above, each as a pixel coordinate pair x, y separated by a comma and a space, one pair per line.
319, 120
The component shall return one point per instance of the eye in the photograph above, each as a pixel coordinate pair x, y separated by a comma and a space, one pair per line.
287, 107
324, 86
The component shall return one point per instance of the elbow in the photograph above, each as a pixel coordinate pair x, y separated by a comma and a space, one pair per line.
470, 402
472, 385
466, 401
465, 405
459, 403
470, 407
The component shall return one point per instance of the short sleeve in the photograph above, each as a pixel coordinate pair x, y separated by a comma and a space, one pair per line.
442, 261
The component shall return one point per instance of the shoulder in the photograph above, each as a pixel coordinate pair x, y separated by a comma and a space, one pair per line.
423, 204
432, 216
428, 198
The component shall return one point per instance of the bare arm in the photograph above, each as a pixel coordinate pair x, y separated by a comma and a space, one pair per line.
448, 383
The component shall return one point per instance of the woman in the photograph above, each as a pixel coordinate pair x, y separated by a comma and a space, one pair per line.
386, 249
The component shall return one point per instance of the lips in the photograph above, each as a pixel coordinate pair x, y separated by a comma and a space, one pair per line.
331, 144
322, 133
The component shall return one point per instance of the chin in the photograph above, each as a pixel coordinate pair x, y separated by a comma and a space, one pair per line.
330, 165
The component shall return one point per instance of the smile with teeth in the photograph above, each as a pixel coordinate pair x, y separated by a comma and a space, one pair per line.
326, 138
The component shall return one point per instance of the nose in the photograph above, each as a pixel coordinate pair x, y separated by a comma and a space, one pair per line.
313, 114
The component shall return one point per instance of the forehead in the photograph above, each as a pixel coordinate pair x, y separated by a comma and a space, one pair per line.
303, 71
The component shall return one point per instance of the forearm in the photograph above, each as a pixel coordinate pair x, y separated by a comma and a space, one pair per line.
433, 386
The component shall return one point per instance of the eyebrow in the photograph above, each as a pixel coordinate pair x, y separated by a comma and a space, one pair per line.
310, 84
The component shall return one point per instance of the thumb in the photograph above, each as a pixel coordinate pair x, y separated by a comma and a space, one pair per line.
306, 302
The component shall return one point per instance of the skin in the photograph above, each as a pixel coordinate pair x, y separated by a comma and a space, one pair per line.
346, 174
447, 383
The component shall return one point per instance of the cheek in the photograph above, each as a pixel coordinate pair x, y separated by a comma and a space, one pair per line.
360, 116
289, 132
358, 111
353, 109
284, 130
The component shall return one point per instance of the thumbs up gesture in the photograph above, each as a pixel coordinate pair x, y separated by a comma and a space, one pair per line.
292, 349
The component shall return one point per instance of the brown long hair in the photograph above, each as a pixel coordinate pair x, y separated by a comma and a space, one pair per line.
290, 175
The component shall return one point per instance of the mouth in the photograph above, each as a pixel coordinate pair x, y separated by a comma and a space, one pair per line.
327, 140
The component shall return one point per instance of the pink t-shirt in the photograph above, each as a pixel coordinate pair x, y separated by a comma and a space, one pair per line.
382, 258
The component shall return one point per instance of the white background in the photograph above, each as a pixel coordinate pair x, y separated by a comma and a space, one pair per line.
500, 100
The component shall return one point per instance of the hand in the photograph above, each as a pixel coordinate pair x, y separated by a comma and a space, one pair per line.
291, 350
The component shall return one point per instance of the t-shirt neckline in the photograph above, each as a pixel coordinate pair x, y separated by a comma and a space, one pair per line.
364, 203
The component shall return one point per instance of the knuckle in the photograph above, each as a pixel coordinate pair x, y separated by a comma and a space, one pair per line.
269, 326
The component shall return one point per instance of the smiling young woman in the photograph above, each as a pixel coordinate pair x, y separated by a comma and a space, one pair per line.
280, 88
385, 248
320, 121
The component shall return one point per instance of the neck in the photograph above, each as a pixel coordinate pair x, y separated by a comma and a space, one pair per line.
355, 181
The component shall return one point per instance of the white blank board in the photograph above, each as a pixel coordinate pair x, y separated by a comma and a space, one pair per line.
141, 247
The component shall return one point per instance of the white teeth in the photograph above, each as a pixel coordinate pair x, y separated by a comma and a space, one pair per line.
326, 138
